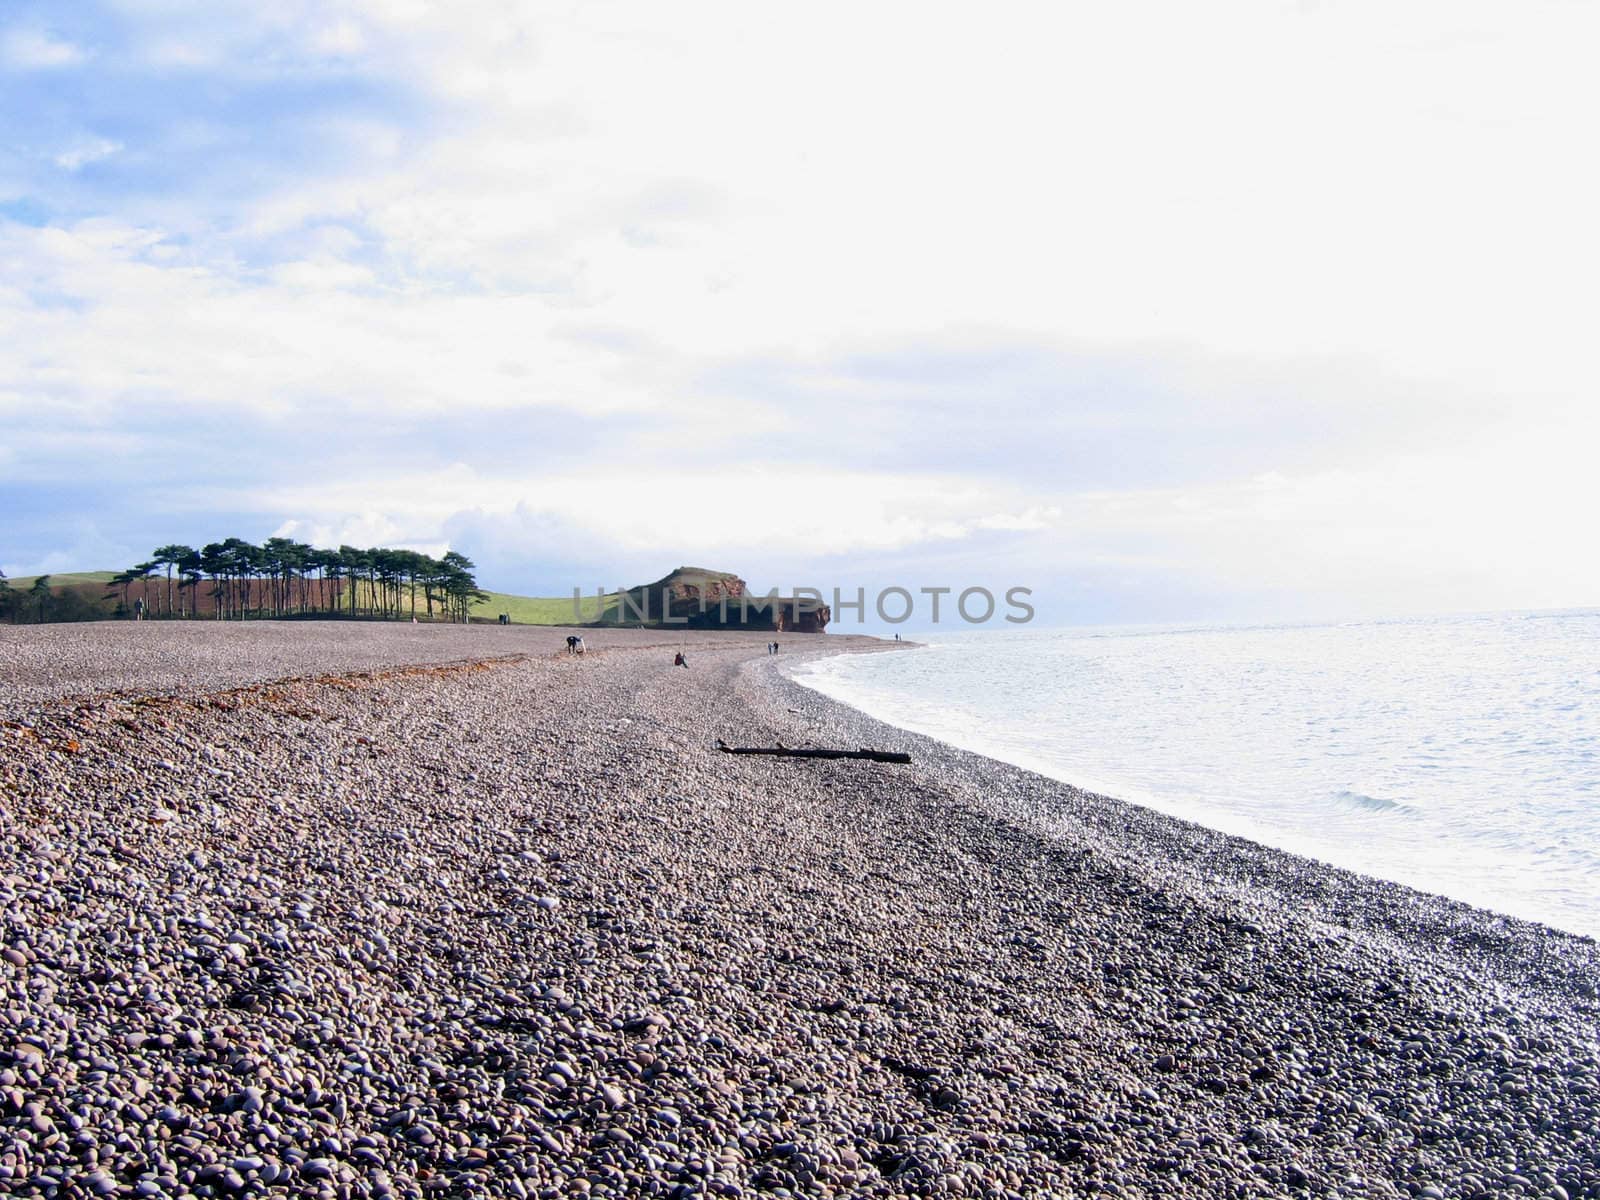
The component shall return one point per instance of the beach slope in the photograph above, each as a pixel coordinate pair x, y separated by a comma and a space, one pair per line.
356, 910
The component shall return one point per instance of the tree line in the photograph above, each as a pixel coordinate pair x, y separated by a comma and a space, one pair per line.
40, 602
236, 580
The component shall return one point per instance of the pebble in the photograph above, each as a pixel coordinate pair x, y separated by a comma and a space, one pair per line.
331, 972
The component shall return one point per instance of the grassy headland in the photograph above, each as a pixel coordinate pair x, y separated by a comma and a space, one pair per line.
95, 590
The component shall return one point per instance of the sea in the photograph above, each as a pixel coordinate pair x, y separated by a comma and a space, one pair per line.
1458, 754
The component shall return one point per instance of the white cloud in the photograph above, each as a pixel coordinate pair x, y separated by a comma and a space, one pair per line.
29, 49
591, 212
323, 274
1034, 517
339, 38
760, 506
1210, 178
731, 184
185, 333
81, 153
1492, 523
366, 528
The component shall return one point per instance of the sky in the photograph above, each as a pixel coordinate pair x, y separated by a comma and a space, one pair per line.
1168, 312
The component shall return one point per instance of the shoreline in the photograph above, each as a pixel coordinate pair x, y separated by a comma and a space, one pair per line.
555, 943
1063, 801
1306, 840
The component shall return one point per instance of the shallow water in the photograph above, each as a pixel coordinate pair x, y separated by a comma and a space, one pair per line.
1456, 754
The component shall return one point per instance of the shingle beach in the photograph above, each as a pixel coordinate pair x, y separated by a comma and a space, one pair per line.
337, 910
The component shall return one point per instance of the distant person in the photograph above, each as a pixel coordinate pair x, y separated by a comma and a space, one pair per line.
574, 644
678, 660
774, 647
138, 610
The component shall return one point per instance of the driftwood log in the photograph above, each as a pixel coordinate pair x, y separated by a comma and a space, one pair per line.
888, 756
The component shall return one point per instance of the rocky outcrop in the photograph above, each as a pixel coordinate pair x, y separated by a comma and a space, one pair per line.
700, 599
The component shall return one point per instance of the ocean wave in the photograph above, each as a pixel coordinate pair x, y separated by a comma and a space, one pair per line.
1368, 803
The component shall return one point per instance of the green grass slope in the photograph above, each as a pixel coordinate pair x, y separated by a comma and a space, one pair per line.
65, 579
540, 610
557, 610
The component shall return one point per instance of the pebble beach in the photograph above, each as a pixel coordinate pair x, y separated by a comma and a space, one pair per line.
346, 909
